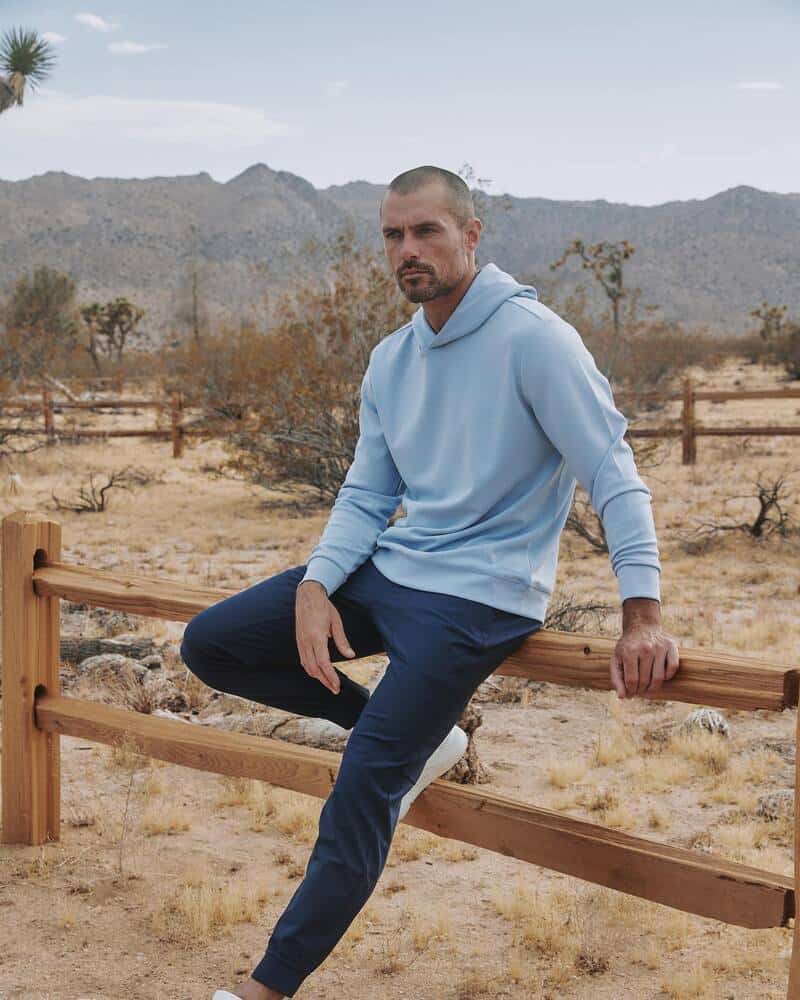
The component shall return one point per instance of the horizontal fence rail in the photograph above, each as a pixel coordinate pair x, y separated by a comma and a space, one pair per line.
36, 715
566, 658
703, 884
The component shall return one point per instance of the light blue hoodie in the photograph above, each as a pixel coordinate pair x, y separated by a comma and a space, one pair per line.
480, 431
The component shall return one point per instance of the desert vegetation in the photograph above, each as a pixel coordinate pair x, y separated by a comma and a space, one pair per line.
166, 876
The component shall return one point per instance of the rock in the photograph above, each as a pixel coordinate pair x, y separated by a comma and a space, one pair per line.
152, 662
114, 621
128, 644
222, 704
163, 694
706, 719
274, 724
109, 668
506, 689
776, 805
77, 648
228, 712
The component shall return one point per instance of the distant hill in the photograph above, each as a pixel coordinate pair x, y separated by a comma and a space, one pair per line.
702, 261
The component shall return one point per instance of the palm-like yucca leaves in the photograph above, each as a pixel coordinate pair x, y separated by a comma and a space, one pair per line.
26, 59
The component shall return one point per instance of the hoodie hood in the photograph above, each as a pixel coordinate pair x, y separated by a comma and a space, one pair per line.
490, 288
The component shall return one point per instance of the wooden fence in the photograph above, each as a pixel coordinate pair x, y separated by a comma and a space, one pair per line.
175, 404
35, 715
689, 429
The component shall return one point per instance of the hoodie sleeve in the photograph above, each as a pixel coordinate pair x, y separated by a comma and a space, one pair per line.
573, 403
370, 494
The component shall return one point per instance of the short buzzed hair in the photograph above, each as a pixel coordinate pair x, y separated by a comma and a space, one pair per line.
462, 207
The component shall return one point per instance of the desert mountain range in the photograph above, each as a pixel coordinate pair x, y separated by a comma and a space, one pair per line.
704, 261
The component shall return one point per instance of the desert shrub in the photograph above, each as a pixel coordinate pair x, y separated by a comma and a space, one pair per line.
41, 326
647, 352
657, 354
225, 373
786, 350
305, 422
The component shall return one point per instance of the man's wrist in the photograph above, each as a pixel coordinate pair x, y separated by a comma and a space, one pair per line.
640, 611
302, 582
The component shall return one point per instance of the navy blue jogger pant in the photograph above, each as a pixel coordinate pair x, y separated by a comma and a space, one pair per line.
440, 648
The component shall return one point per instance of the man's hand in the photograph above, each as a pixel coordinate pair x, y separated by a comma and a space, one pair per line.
316, 618
645, 655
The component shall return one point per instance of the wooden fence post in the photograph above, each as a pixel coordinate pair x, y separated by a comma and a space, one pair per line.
31, 764
47, 407
176, 413
794, 967
687, 415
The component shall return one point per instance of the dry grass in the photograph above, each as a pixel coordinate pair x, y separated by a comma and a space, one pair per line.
708, 750
614, 744
166, 818
292, 813
683, 985
200, 910
566, 773
426, 930
550, 936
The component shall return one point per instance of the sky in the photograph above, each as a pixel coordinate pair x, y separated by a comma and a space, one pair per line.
630, 102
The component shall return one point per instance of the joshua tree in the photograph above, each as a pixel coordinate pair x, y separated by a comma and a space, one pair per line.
605, 260
25, 60
772, 318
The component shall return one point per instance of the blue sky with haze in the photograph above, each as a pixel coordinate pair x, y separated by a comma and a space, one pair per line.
579, 100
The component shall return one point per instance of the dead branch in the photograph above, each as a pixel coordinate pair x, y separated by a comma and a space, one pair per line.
771, 517
92, 498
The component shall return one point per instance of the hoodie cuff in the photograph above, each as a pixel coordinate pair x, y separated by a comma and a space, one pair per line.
639, 581
324, 571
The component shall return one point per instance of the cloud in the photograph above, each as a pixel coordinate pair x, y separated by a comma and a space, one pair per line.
95, 22
760, 85
335, 88
108, 120
133, 48
53, 37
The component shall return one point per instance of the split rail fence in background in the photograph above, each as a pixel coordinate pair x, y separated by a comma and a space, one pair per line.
175, 404
688, 429
35, 715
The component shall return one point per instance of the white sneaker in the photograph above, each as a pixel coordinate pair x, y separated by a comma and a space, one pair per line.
225, 995
441, 760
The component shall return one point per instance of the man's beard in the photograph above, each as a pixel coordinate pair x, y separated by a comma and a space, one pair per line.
428, 287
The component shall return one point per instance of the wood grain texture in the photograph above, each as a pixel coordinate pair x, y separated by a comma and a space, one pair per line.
31, 771
568, 658
702, 884
703, 678
793, 992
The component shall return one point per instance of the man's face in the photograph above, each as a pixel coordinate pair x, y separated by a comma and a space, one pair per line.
428, 252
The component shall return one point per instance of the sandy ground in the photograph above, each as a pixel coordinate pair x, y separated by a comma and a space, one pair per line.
167, 881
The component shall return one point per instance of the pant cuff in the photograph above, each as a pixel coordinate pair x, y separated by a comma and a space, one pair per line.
274, 972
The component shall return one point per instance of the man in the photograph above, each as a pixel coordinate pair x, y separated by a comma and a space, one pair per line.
479, 416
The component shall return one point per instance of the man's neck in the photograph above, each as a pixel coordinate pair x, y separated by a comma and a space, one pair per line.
439, 310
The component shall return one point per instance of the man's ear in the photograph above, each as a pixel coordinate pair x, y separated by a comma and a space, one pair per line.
473, 233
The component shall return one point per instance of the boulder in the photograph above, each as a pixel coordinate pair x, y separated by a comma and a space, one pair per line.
707, 719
